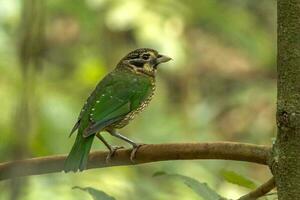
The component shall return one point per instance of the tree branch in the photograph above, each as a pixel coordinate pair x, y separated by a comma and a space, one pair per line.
260, 191
146, 153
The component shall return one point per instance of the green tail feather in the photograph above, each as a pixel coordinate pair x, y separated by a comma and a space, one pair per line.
78, 157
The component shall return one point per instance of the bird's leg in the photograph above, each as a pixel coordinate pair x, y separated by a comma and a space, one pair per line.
112, 149
135, 146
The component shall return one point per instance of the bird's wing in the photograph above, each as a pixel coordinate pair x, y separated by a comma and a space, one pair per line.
105, 82
114, 101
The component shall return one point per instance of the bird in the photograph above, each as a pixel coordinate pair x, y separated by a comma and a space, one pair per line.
117, 99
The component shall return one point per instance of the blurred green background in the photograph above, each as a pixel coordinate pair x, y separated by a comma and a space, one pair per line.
221, 85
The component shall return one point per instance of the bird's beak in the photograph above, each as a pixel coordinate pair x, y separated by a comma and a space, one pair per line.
162, 59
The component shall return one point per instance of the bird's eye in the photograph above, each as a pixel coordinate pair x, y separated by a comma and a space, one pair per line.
145, 56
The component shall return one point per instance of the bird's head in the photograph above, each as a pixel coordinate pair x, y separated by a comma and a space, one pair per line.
143, 61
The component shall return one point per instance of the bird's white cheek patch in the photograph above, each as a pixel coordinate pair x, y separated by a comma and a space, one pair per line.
148, 68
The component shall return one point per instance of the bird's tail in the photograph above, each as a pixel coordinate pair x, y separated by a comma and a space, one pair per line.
78, 157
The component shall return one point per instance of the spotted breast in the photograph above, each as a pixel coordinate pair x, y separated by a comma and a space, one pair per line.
130, 116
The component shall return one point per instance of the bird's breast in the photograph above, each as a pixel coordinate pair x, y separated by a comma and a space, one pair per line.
130, 116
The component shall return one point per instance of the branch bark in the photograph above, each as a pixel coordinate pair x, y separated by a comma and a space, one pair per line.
146, 154
260, 191
285, 163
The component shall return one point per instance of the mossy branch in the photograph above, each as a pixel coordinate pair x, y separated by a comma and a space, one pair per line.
146, 154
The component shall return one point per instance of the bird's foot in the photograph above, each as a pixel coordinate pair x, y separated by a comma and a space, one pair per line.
134, 151
112, 152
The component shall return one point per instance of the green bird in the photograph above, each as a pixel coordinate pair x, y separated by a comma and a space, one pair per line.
117, 99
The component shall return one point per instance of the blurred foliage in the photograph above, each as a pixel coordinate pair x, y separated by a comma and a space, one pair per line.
221, 85
96, 194
235, 178
202, 189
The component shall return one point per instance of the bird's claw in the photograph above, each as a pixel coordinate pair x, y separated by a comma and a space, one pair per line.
134, 151
112, 152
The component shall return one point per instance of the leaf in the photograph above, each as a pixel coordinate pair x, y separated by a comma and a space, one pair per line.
96, 194
159, 173
202, 189
237, 179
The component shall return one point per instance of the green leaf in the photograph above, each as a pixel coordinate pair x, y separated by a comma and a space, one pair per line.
234, 178
159, 173
202, 189
96, 194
